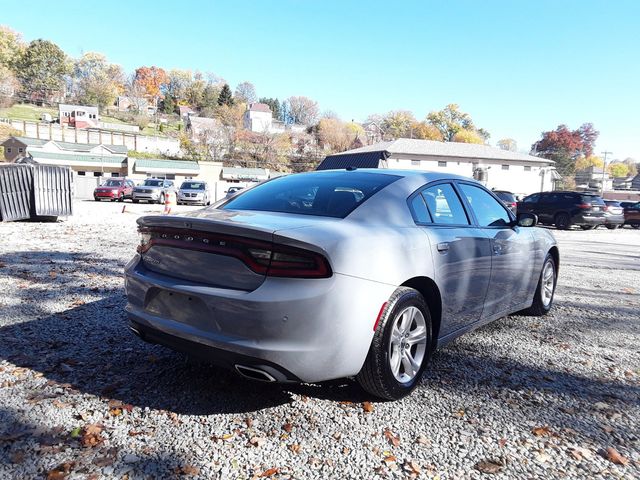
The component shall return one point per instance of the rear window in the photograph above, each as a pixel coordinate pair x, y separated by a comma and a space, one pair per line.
612, 203
334, 194
592, 199
506, 197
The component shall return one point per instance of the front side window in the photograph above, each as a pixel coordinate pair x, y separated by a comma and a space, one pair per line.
488, 211
444, 205
334, 194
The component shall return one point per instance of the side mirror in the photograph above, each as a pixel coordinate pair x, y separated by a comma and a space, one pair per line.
526, 220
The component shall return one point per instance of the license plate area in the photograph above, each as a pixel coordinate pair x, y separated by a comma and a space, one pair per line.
179, 307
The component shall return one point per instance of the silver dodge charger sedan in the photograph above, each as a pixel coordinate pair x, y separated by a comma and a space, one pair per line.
338, 273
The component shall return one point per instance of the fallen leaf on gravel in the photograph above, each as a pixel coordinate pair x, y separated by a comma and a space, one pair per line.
460, 413
227, 437
601, 405
615, 457
248, 422
628, 290
502, 442
270, 473
174, 418
257, 441
488, 466
75, 433
579, 453
287, 427
337, 435
53, 274
346, 451
413, 467
422, 440
90, 436
391, 438
295, 448
115, 412
367, 407
189, 470
61, 471
389, 459
541, 431
607, 428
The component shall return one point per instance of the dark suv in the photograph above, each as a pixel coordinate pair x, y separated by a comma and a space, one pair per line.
564, 209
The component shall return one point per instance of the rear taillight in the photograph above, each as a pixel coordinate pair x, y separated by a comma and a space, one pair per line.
262, 257
584, 206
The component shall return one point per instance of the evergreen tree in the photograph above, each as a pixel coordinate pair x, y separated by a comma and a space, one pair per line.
225, 97
274, 105
168, 104
210, 97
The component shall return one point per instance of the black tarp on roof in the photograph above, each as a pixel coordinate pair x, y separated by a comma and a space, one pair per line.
358, 160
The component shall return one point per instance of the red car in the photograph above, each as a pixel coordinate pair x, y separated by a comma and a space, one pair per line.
114, 189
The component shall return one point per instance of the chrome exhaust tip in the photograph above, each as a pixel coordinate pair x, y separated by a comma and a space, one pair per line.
254, 373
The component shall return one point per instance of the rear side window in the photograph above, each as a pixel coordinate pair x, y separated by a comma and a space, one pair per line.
531, 198
506, 197
334, 194
420, 212
444, 205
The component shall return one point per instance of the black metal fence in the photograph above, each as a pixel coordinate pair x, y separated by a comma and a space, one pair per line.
29, 191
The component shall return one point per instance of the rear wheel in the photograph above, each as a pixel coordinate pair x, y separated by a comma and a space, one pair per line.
587, 227
135, 200
161, 201
563, 221
613, 227
543, 298
121, 197
635, 225
401, 347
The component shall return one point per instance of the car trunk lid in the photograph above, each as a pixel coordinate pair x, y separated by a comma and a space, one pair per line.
221, 248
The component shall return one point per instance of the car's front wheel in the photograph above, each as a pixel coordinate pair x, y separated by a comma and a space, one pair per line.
401, 347
545, 291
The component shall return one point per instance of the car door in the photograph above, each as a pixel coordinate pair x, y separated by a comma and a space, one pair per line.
512, 250
461, 254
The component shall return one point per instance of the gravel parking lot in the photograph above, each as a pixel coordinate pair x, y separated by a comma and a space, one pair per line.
81, 397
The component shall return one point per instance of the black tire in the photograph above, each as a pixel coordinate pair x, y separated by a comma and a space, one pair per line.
613, 227
376, 376
161, 200
135, 200
121, 197
587, 227
635, 225
562, 221
538, 308
96, 199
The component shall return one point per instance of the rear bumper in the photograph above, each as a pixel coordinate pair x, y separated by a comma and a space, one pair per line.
301, 329
588, 220
614, 219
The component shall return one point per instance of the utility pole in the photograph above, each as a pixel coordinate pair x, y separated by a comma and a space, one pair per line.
604, 168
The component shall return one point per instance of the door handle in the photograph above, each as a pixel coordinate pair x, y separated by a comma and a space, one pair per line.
443, 247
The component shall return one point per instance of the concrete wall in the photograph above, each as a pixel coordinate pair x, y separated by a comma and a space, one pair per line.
139, 143
516, 179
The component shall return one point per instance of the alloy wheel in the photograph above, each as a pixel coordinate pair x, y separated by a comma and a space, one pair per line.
548, 283
408, 344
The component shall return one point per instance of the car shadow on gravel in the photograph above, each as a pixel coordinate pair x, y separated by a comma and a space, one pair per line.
89, 348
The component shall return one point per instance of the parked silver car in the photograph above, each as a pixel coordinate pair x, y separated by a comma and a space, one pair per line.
153, 190
194, 192
337, 273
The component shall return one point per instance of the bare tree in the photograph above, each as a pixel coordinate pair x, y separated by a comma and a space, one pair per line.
302, 110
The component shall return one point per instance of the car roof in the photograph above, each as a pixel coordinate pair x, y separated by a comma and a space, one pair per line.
427, 175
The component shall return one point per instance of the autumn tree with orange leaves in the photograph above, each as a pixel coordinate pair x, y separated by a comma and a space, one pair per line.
151, 79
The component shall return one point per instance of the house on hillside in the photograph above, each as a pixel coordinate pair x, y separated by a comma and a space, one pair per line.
498, 169
78, 116
197, 127
258, 118
185, 111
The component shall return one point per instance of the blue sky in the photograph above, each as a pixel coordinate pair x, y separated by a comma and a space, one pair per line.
518, 67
